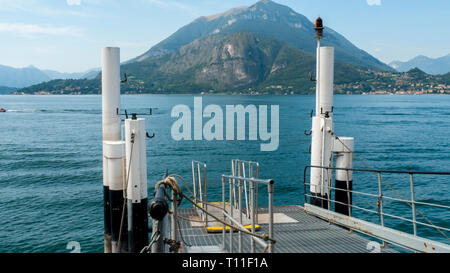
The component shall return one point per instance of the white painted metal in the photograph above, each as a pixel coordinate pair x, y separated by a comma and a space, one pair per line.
111, 93
326, 78
110, 97
136, 154
316, 156
114, 159
318, 78
344, 157
112, 169
322, 123
387, 234
327, 147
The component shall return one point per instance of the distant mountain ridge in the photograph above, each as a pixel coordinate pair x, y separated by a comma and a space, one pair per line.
21, 77
30, 75
431, 66
269, 19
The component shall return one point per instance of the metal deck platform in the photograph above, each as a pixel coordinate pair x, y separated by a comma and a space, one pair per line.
308, 234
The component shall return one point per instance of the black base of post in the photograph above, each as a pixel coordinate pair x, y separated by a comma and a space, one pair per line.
138, 226
107, 219
116, 202
319, 200
342, 196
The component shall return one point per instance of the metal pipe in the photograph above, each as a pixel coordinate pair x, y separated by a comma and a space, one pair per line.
193, 183
270, 190
205, 194
413, 205
234, 221
240, 215
231, 182
252, 215
257, 192
224, 219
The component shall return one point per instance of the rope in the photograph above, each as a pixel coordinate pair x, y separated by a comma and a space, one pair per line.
124, 192
390, 187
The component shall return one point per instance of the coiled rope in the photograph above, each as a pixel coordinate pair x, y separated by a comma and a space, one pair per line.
172, 183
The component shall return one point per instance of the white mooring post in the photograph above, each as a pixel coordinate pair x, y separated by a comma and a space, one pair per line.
322, 128
343, 148
136, 163
113, 171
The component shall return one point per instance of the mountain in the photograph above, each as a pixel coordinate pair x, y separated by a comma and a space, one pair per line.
5, 90
431, 66
21, 77
266, 18
90, 74
242, 61
233, 61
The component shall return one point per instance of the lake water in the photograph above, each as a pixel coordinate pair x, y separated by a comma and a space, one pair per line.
51, 158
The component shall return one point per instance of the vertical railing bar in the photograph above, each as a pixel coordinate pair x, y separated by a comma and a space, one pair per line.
224, 218
199, 183
257, 193
231, 181
270, 190
329, 173
194, 181
237, 173
349, 207
247, 214
380, 200
252, 202
205, 193
413, 204
240, 215
304, 186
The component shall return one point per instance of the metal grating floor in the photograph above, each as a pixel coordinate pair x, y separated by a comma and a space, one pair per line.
309, 235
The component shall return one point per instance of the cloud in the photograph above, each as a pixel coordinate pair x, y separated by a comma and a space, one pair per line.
30, 29
73, 2
373, 2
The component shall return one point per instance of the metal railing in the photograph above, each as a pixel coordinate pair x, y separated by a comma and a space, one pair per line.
238, 181
248, 169
380, 197
199, 188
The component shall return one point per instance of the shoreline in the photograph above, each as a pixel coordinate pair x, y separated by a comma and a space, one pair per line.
231, 94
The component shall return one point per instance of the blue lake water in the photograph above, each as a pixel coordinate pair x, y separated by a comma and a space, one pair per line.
51, 159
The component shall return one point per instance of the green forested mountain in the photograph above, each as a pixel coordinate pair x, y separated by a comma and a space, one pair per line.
270, 19
265, 48
217, 63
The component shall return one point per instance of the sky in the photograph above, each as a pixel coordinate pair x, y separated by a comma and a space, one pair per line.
67, 35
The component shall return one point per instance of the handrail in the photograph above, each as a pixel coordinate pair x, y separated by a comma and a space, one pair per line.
381, 197
246, 169
200, 189
232, 198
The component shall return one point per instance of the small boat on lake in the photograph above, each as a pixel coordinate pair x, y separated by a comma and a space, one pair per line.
2, 110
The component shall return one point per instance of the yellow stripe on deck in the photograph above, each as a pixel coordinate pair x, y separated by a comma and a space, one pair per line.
216, 210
